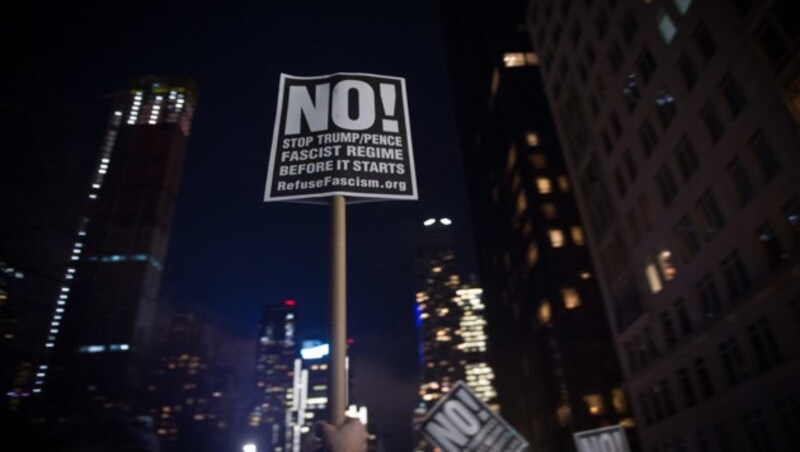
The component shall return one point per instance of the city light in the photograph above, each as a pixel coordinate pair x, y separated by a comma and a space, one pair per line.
249, 447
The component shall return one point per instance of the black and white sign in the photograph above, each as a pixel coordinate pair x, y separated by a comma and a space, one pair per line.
462, 422
606, 439
341, 134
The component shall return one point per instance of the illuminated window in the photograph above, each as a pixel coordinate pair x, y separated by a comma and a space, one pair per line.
522, 203
543, 185
538, 161
556, 237
563, 183
532, 138
665, 265
653, 279
545, 312
516, 59
571, 298
549, 211
666, 27
594, 403
512, 157
618, 400
532, 254
577, 235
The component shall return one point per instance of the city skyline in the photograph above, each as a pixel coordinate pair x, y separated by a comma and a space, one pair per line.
620, 174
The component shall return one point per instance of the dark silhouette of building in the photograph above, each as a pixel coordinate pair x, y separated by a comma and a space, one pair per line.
679, 122
190, 393
100, 324
552, 351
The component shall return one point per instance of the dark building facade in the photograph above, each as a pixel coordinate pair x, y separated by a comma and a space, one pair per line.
189, 393
552, 351
679, 122
100, 324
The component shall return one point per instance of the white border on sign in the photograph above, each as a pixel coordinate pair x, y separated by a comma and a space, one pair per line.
364, 197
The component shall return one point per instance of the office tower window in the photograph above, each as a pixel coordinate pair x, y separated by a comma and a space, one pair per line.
571, 297
532, 256
668, 328
687, 387
522, 204
633, 225
687, 237
575, 33
653, 278
594, 404
532, 138
712, 122
687, 70
772, 42
608, 146
686, 158
683, 5
643, 205
706, 384
647, 136
740, 181
629, 26
684, 321
791, 213
732, 93
517, 59
538, 160
789, 415
667, 187
758, 433
665, 107
761, 149
615, 56
563, 183
764, 344
549, 211
665, 266
735, 275
711, 214
544, 185
545, 312
589, 52
619, 180
556, 237
647, 411
577, 235
631, 92
630, 165
666, 397
770, 245
709, 296
616, 126
733, 360
666, 27
646, 64
601, 23
705, 43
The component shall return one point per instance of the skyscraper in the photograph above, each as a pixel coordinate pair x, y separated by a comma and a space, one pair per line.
452, 327
552, 353
99, 330
276, 353
679, 124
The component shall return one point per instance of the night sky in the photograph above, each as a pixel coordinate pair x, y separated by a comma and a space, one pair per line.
229, 251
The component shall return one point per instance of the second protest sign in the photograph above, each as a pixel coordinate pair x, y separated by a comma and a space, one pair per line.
341, 134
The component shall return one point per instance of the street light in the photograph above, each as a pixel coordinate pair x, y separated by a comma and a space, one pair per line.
249, 447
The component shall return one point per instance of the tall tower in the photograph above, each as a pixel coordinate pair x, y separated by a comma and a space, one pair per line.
453, 335
277, 350
553, 353
679, 123
100, 325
